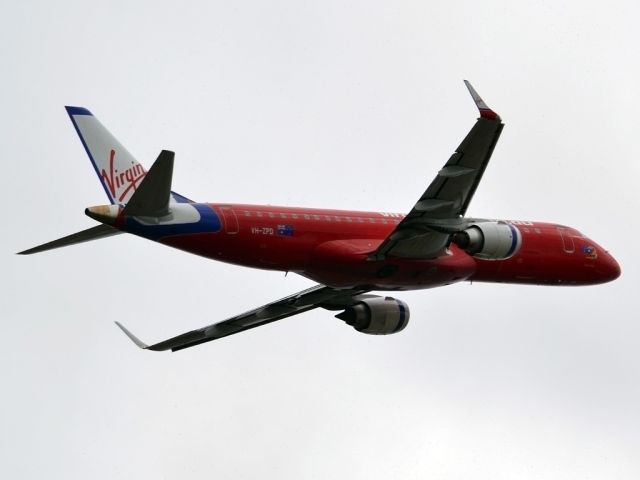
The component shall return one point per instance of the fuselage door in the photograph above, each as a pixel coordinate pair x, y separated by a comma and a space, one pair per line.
230, 220
567, 240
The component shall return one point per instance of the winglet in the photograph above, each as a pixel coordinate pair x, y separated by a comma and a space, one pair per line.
485, 111
133, 338
153, 195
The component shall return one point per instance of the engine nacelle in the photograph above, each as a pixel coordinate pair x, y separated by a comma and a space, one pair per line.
490, 240
377, 315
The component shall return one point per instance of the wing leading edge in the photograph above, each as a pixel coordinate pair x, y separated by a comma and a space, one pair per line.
425, 231
314, 297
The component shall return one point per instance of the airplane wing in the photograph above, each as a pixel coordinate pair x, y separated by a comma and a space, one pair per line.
426, 230
314, 297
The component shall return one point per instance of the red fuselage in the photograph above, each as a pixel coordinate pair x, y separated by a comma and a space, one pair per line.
331, 247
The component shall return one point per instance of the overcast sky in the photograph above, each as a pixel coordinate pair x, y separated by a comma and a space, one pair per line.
317, 104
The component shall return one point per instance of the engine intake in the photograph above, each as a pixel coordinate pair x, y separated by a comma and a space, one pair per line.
377, 315
490, 240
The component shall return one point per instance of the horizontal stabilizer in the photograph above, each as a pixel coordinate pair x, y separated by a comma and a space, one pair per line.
152, 197
94, 233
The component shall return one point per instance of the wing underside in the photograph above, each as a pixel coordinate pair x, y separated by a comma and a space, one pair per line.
314, 297
426, 230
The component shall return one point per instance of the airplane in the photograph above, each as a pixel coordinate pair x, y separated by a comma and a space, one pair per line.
348, 254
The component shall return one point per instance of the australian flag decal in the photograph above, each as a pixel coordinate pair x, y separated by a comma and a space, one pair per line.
590, 252
286, 230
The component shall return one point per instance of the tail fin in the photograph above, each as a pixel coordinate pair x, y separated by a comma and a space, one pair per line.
119, 172
151, 199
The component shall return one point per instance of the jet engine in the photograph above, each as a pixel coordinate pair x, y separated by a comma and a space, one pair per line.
377, 315
490, 240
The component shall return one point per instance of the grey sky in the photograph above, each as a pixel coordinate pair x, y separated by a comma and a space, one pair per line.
317, 104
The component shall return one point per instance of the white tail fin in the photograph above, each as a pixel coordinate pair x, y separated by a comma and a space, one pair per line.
118, 171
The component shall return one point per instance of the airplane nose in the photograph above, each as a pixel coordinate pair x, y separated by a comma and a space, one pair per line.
609, 268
